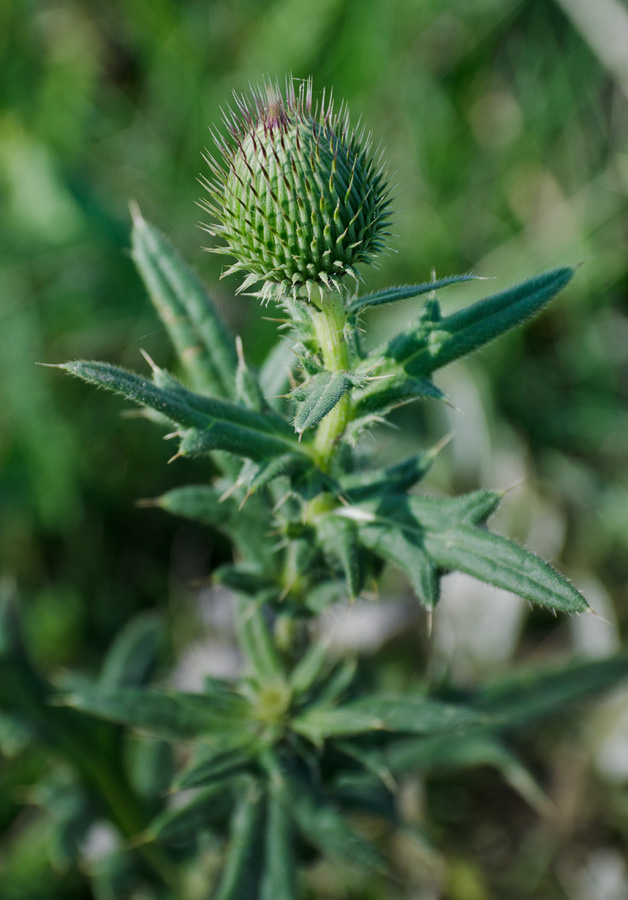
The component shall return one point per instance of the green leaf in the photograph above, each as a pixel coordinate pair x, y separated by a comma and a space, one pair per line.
439, 513
320, 723
244, 578
496, 560
415, 714
15, 735
170, 404
533, 694
242, 872
328, 830
385, 712
257, 642
309, 668
267, 421
447, 533
10, 636
392, 479
405, 550
404, 292
339, 539
132, 657
338, 682
72, 811
206, 505
216, 759
286, 464
68, 836
203, 504
114, 875
426, 347
382, 396
182, 823
323, 595
248, 391
441, 755
210, 424
151, 767
171, 715
274, 376
279, 878
205, 348
318, 396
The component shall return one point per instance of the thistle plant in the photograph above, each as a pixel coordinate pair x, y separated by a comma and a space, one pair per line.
287, 760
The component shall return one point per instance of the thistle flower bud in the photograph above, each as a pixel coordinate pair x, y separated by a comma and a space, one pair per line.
297, 196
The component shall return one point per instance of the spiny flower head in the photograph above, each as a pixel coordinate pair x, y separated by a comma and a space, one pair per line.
297, 196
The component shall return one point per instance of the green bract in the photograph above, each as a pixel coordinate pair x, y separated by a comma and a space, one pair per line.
298, 198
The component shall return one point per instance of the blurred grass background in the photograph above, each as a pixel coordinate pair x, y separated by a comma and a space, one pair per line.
505, 124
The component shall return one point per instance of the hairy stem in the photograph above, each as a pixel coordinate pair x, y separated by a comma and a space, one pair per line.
329, 318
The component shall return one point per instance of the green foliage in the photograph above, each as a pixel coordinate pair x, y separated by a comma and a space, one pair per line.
434, 342
317, 396
404, 292
281, 758
205, 348
253, 738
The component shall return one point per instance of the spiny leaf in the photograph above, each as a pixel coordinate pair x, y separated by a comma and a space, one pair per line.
324, 594
532, 694
138, 389
68, 835
211, 424
380, 397
404, 292
240, 879
151, 767
285, 464
407, 553
446, 531
181, 823
337, 683
384, 712
114, 875
328, 830
279, 878
11, 644
71, 809
440, 755
238, 414
172, 715
414, 713
133, 655
204, 345
339, 540
203, 504
248, 391
319, 396
15, 735
424, 348
246, 578
257, 642
215, 759
496, 560
231, 438
397, 478
309, 668
319, 723
274, 376
439, 513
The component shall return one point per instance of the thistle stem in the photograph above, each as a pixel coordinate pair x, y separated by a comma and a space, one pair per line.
329, 319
